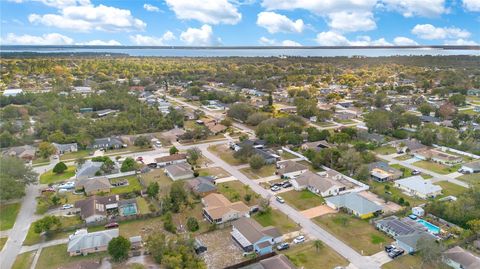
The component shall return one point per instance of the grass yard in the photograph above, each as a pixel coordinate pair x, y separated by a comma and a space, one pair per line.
410, 262
395, 193
287, 156
437, 168
265, 171
449, 188
8, 215
57, 256
276, 218
385, 150
34, 238
225, 153
302, 200
24, 260
3, 241
310, 166
472, 179
75, 155
407, 172
403, 157
213, 171
357, 233
142, 205
133, 185
236, 191
307, 257
40, 161
157, 175
50, 177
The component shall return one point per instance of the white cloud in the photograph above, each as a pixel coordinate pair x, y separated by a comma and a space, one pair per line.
331, 38
410, 8
428, 31
320, 7
85, 18
142, 40
460, 42
346, 21
57, 3
277, 23
151, 8
98, 42
206, 11
404, 41
272, 42
471, 5
46, 39
202, 36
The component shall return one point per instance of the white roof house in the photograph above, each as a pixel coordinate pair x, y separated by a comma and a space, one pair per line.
83, 243
12, 92
418, 186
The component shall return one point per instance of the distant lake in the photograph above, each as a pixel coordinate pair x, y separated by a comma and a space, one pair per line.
244, 52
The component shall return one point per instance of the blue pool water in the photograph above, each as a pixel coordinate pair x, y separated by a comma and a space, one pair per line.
431, 228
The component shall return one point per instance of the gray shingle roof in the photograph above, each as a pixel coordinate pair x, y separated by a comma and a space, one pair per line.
418, 184
84, 241
354, 202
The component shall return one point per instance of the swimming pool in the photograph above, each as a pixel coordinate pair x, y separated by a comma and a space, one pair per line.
129, 209
431, 228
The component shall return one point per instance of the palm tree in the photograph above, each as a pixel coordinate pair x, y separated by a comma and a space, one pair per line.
318, 245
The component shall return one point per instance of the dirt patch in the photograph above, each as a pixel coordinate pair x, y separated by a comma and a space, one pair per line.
317, 211
387, 207
221, 249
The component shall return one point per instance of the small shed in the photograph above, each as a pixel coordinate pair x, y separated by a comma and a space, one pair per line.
198, 246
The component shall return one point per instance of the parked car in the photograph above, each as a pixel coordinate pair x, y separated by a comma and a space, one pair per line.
287, 185
67, 206
283, 246
49, 189
395, 253
111, 225
276, 185
389, 248
275, 188
415, 172
280, 199
299, 239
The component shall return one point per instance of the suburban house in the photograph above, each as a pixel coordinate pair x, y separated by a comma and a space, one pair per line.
105, 112
394, 226
65, 148
82, 89
202, 185
96, 208
252, 237
258, 144
344, 115
215, 128
26, 153
274, 262
83, 242
417, 186
325, 183
88, 169
171, 159
12, 92
317, 146
371, 137
94, 185
290, 169
218, 209
472, 167
408, 145
355, 204
179, 171
382, 172
409, 242
459, 258
438, 156
108, 143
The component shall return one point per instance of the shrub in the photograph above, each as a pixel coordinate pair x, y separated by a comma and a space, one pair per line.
60, 168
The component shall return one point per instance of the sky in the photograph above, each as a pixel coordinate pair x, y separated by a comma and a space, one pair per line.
240, 22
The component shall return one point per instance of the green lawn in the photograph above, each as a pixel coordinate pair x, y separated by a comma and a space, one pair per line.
57, 256
437, 168
403, 157
24, 260
385, 150
395, 194
40, 161
410, 262
302, 200
34, 238
287, 156
213, 171
3, 240
357, 233
449, 188
157, 175
407, 172
225, 153
51, 177
133, 185
236, 191
307, 257
472, 179
75, 155
142, 205
265, 171
276, 218
8, 215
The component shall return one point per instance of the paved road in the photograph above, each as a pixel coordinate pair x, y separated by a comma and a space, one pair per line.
25, 217
310, 227
436, 177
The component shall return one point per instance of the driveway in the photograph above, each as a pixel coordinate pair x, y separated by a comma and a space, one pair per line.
317, 211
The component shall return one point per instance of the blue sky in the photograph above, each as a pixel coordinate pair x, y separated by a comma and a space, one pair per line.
240, 22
